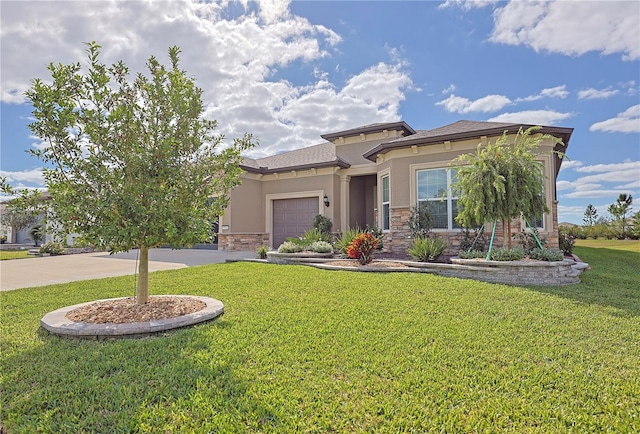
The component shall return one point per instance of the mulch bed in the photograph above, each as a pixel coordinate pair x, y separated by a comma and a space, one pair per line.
125, 310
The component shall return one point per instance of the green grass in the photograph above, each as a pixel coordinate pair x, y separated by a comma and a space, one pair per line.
628, 245
14, 254
306, 350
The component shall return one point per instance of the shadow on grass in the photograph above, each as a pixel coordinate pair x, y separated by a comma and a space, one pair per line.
613, 281
153, 384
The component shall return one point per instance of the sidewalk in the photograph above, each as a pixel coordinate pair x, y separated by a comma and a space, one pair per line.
25, 273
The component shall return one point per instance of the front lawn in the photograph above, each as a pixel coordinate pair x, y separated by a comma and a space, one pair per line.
306, 350
14, 254
630, 245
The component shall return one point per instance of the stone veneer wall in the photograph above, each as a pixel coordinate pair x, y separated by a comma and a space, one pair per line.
399, 238
515, 272
240, 242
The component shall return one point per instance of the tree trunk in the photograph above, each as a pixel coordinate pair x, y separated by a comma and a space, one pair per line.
143, 276
509, 231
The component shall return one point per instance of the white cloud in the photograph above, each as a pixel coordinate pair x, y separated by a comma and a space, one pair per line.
272, 11
592, 93
489, 103
626, 122
583, 194
570, 213
467, 4
604, 180
450, 89
233, 58
552, 92
569, 27
570, 164
31, 176
564, 185
631, 185
613, 167
532, 117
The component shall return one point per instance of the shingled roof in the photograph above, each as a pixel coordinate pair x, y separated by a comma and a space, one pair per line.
322, 155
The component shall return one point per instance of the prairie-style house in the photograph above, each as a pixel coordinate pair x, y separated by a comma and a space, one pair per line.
371, 175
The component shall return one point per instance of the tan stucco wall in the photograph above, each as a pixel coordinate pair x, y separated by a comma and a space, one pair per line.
242, 215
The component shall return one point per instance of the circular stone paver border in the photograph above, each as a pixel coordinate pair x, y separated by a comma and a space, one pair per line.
57, 323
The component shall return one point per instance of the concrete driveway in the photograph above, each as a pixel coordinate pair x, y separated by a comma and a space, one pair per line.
25, 273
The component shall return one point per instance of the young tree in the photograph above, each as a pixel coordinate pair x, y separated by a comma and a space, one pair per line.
619, 211
133, 163
590, 215
502, 181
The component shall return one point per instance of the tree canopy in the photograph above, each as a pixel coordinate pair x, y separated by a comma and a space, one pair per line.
619, 211
132, 162
502, 180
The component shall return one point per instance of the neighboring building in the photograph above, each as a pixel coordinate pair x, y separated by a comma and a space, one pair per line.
371, 175
23, 236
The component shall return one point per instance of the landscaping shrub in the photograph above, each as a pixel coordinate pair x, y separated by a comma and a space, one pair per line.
309, 237
548, 255
363, 247
578, 232
427, 249
262, 252
347, 237
376, 232
323, 224
507, 254
290, 247
52, 248
472, 254
321, 247
421, 220
37, 233
475, 240
527, 240
566, 241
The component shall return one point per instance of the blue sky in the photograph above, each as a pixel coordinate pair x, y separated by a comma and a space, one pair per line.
290, 71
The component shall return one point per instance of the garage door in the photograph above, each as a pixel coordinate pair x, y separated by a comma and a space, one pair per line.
291, 217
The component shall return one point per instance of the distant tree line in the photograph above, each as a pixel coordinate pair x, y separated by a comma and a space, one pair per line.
624, 224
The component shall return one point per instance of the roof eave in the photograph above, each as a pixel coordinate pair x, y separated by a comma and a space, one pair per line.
370, 129
265, 170
383, 148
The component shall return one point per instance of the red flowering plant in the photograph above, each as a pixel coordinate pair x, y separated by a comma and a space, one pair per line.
363, 247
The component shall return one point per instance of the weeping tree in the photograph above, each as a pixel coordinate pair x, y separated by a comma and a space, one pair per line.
131, 162
502, 181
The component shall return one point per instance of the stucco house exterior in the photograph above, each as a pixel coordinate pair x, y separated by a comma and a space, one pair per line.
371, 175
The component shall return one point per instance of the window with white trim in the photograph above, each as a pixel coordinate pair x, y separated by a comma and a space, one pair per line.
385, 203
433, 187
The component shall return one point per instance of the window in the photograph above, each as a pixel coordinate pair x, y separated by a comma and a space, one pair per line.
385, 203
433, 187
